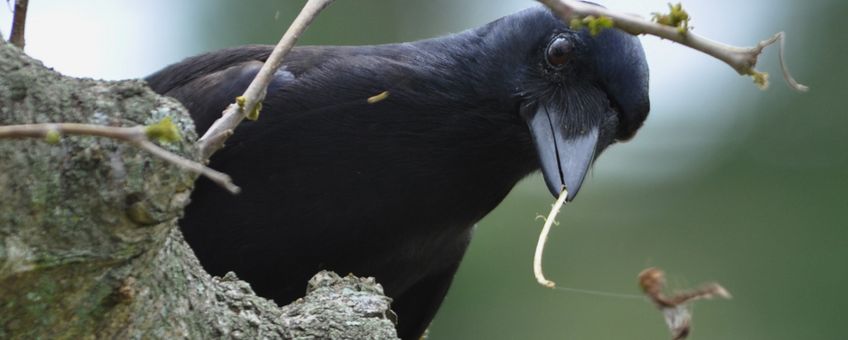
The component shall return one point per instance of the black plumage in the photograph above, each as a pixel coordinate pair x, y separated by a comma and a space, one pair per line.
392, 189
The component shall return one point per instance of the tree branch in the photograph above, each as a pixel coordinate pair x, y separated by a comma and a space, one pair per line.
89, 241
741, 59
249, 104
136, 135
19, 24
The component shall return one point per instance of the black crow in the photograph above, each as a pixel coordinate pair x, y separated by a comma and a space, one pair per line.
392, 189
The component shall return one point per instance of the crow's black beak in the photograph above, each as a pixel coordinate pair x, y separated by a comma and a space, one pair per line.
565, 152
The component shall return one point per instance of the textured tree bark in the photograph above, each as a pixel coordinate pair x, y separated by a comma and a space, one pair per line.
89, 244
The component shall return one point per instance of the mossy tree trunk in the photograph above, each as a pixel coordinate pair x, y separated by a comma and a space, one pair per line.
89, 244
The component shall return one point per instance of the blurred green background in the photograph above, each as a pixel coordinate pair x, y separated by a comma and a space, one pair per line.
724, 182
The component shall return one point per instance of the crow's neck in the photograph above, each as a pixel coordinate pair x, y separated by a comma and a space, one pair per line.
478, 135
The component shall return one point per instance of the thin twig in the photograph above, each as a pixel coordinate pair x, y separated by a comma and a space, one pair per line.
741, 59
543, 237
19, 24
217, 177
136, 135
785, 69
129, 134
213, 139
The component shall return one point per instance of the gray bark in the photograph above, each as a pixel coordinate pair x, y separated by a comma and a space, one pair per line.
89, 244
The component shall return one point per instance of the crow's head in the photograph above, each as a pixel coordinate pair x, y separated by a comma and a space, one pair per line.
578, 93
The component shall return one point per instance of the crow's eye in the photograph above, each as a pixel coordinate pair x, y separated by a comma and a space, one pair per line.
558, 51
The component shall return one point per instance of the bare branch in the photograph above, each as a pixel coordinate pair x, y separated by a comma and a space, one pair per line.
251, 100
785, 69
19, 24
47, 131
741, 59
136, 135
217, 177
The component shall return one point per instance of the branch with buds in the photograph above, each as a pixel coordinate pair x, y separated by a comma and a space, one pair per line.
139, 136
249, 104
674, 26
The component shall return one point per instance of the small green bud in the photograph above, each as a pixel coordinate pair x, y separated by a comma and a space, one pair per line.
254, 115
52, 136
576, 24
240, 100
760, 79
677, 17
595, 25
164, 131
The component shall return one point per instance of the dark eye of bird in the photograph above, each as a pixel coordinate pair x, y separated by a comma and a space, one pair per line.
557, 52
